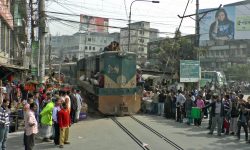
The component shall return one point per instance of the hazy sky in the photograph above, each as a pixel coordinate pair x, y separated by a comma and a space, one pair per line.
162, 16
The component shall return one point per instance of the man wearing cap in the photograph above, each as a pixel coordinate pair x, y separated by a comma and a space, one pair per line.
217, 112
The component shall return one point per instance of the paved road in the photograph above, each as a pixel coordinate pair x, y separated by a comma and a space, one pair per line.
103, 134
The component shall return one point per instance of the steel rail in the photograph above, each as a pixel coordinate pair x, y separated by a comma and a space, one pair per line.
158, 134
139, 142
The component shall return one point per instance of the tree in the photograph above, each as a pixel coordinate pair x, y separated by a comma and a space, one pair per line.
239, 72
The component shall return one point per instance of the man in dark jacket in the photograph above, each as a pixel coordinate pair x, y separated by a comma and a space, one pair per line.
73, 101
217, 112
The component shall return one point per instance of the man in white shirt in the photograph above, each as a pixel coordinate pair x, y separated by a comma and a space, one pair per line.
180, 100
79, 104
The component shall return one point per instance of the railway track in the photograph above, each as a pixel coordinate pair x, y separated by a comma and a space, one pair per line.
139, 141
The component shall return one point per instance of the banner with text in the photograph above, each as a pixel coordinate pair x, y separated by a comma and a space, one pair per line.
189, 70
227, 23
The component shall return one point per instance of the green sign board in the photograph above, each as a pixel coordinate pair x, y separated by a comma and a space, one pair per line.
189, 70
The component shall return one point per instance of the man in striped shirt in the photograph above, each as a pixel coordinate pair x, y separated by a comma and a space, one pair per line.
4, 126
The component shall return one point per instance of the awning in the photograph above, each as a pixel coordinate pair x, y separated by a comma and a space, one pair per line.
13, 67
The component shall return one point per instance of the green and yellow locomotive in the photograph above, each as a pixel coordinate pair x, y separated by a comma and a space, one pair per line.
109, 81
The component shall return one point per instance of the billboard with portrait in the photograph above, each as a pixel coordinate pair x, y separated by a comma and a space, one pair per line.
227, 23
93, 24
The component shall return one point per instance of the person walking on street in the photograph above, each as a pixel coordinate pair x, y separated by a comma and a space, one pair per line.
248, 112
64, 123
46, 119
4, 124
200, 104
242, 119
228, 108
161, 103
36, 100
79, 104
73, 105
180, 100
217, 112
234, 115
56, 109
188, 108
30, 127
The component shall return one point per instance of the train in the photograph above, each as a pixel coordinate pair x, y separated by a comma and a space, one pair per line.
109, 80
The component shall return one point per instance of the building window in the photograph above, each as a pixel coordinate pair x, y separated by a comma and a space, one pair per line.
212, 53
244, 51
104, 41
222, 53
89, 39
89, 47
86, 47
217, 53
93, 48
141, 32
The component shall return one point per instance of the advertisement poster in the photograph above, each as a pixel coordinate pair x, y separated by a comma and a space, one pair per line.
227, 23
218, 25
93, 24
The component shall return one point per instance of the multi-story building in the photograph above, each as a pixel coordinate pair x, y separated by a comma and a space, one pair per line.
93, 43
63, 46
80, 45
226, 54
13, 38
140, 35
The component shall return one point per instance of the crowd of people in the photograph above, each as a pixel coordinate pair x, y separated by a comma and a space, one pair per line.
47, 111
229, 111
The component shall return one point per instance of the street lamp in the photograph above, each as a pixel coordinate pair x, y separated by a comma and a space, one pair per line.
129, 20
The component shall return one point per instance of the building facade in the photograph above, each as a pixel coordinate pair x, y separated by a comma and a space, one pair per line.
225, 54
13, 38
140, 35
79, 45
93, 43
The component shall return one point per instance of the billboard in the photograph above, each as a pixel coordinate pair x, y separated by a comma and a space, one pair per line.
227, 23
189, 71
93, 24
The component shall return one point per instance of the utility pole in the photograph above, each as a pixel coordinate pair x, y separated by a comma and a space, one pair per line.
32, 21
197, 25
42, 32
50, 71
197, 28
